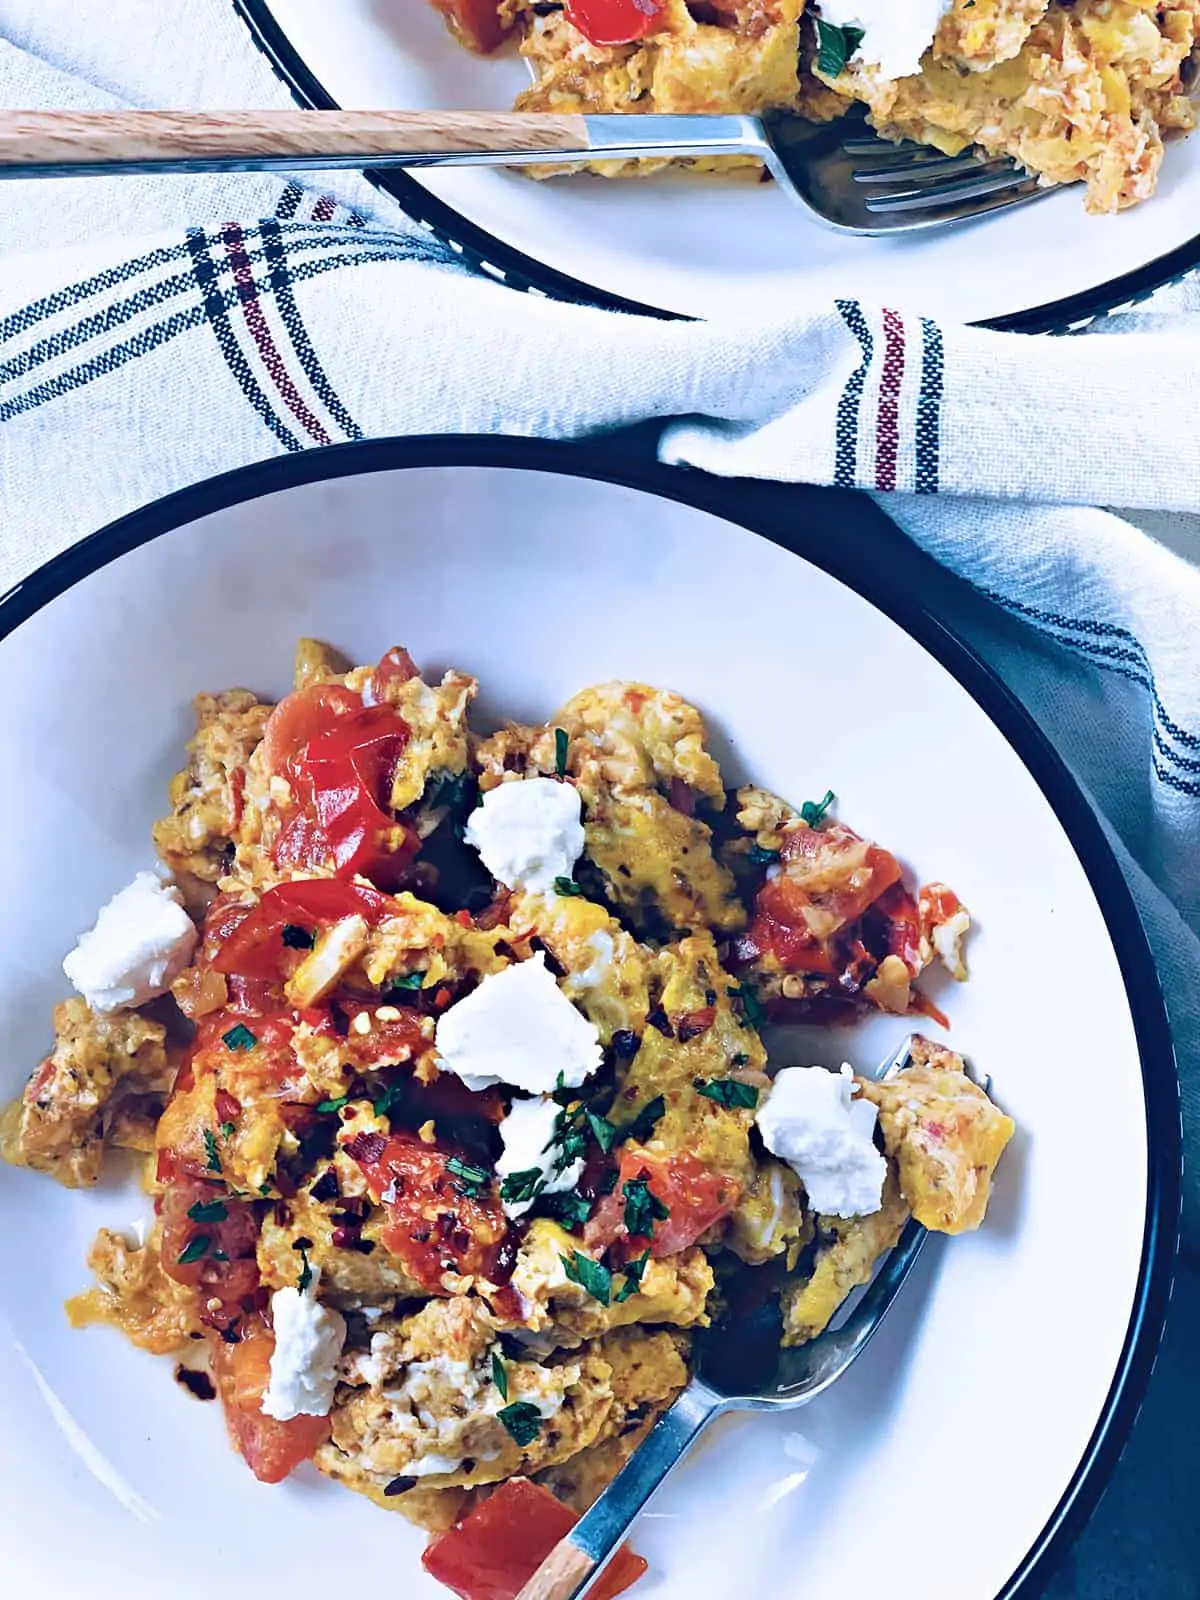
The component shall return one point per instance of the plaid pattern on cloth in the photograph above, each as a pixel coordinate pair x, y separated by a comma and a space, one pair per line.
154, 332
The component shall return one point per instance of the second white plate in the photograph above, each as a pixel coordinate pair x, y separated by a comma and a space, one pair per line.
715, 247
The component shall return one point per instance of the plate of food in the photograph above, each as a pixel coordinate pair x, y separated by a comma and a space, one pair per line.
485, 884
1092, 95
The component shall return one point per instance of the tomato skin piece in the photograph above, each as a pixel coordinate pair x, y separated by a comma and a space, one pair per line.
611, 22
271, 1449
495, 1550
695, 1197
396, 666
903, 926
477, 23
432, 1226
301, 715
254, 945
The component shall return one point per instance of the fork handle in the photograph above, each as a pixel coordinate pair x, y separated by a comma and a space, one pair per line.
77, 143
582, 1555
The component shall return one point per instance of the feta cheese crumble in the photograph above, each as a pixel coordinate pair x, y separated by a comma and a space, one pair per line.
528, 832
810, 1121
308, 1343
518, 1028
142, 941
528, 1135
896, 33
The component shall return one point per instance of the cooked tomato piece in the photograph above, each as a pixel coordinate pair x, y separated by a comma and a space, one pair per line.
477, 23
828, 877
270, 1449
209, 1243
396, 666
902, 926
609, 22
299, 717
495, 1550
254, 946
695, 1197
437, 1220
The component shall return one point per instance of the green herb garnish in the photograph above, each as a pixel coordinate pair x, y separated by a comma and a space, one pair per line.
471, 1180
633, 1277
409, 982
522, 1421
561, 746
227, 1130
602, 1130
730, 1092
499, 1376
642, 1208
306, 1271
521, 1186
642, 1125
590, 1275
210, 1145
382, 1106
239, 1038
326, 1107
813, 811
835, 46
567, 886
754, 1013
296, 938
571, 1209
208, 1211
194, 1249
758, 857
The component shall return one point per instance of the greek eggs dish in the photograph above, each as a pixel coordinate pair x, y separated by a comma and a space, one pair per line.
444, 1051
1073, 90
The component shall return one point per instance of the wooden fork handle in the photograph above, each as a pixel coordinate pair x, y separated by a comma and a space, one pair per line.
105, 138
560, 1574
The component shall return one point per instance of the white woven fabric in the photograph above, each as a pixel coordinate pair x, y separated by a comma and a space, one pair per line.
154, 332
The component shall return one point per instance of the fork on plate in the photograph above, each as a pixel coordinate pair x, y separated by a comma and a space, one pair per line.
840, 171
734, 1369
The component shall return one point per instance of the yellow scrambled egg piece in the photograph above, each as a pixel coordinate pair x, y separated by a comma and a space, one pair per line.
206, 796
605, 971
845, 1257
134, 1294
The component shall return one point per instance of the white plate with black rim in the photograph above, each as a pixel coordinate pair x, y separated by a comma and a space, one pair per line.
971, 1441
688, 246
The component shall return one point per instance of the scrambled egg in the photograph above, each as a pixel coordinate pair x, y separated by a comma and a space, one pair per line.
311, 1142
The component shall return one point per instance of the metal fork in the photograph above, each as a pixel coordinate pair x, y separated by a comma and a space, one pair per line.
725, 1362
840, 172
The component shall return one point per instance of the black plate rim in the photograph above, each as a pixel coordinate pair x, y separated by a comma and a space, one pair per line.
525, 272
909, 611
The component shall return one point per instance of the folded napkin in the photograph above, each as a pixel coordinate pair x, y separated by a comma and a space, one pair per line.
156, 331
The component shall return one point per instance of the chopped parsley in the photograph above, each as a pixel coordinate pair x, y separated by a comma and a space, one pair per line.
571, 1209
642, 1208
758, 857
470, 1180
730, 1092
306, 1271
569, 1140
561, 746
633, 1277
835, 46
208, 1211
522, 1421
210, 1145
499, 1375
813, 811
521, 1186
194, 1249
382, 1106
296, 938
228, 1130
590, 1275
602, 1130
326, 1107
754, 1013
239, 1038
410, 981
642, 1125
566, 886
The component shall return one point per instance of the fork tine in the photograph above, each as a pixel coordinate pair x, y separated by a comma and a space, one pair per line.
925, 197
936, 167
897, 1059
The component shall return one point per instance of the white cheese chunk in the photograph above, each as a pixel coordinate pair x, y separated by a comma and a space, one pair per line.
518, 1028
304, 1364
810, 1121
528, 832
896, 33
528, 1135
142, 941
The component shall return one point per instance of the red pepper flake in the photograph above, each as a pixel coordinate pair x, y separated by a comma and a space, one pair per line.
442, 998
695, 1023
366, 1147
228, 1109
463, 918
